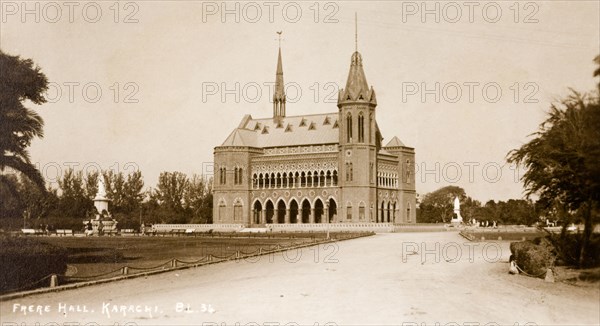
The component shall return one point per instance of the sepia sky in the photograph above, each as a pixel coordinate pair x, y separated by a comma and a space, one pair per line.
194, 73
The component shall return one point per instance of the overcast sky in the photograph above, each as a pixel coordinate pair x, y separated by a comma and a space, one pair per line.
175, 58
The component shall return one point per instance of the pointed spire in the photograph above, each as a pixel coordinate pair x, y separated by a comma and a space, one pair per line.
355, 31
357, 88
279, 94
279, 90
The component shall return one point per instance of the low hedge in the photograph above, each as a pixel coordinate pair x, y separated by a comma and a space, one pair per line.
25, 261
533, 256
555, 249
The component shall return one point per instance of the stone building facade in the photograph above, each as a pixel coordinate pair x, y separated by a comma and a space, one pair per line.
319, 168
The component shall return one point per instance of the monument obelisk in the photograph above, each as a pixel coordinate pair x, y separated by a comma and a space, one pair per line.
103, 223
457, 218
100, 201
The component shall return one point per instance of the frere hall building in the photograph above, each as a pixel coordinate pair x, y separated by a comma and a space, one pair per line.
319, 168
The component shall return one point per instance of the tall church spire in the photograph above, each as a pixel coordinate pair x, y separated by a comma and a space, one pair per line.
279, 95
357, 88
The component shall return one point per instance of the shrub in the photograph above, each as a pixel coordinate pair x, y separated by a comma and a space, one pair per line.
61, 222
533, 257
568, 247
25, 261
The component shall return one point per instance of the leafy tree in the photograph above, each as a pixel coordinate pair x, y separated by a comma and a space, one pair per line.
91, 184
438, 206
20, 81
74, 202
195, 198
513, 211
37, 203
469, 208
166, 202
133, 194
207, 205
115, 189
11, 207
562, 165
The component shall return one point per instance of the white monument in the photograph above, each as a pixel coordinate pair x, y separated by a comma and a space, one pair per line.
103, 223
457, 218
100, 201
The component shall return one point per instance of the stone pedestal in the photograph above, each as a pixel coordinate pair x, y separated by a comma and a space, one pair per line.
103, 223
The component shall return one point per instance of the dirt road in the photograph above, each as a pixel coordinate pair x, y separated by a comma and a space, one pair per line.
409, 278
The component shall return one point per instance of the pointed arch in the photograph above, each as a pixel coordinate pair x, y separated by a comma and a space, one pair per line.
238, 204
332, 212
293, 205
222, 209
370, 127
361, 127
281, 211
361, 210
306, 210
349, 127
270, 211
319, 209
257, 209
349, 209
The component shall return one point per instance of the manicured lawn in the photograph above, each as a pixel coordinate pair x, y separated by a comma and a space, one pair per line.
90, 256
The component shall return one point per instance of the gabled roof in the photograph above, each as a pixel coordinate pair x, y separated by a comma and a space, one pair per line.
395, 142
250, 132
240, 137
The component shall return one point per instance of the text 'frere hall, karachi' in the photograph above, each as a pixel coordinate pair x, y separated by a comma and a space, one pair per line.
318, 168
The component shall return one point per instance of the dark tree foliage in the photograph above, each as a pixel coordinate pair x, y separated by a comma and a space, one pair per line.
561, 161
20, 81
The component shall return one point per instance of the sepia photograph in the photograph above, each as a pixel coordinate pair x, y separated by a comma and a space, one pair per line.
322, 163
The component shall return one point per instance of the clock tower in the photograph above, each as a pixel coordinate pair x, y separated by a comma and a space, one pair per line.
359, 142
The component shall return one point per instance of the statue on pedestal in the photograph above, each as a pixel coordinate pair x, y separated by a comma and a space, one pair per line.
457, 218
103, 221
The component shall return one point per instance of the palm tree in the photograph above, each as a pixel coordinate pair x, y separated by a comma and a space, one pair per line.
562, 159
20, 81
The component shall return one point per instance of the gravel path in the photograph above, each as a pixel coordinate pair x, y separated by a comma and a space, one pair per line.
380, 280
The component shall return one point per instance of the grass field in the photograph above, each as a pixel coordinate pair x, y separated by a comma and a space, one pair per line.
91, 256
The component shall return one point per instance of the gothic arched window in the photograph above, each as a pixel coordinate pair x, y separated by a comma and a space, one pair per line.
349, 127
361, 128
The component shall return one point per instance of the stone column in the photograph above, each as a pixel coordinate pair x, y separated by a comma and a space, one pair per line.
275, 215
311, 219
325, 218
287, 216
299, 216
263, 216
